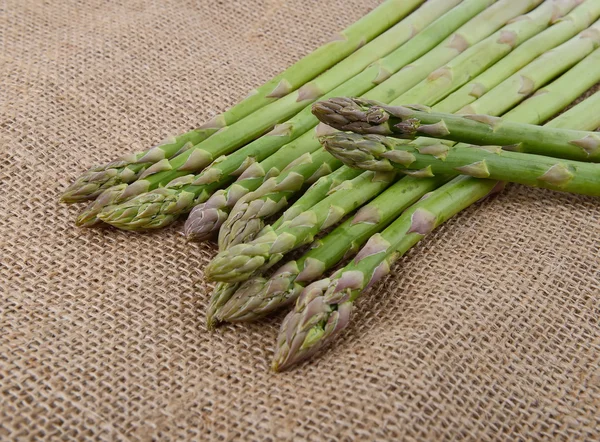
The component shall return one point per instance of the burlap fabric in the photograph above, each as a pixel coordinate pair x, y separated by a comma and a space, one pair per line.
488, 330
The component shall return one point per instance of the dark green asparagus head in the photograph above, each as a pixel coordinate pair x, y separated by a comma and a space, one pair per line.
368, 152
353, 114
240, 262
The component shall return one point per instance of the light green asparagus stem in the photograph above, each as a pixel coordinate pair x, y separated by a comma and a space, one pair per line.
478, 28
289, 130
259, 296
463, 67
239, 262
130, 167
230, 138
478, 58
463, 40
580, 77
567, 27
375, 152
583, 114
408, 122
540, 71
323, 309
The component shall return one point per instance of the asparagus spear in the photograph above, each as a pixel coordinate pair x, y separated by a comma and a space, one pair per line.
540, 71
567, 27
323, 308
374, 152
221, 293
259, 296
239, 262
370, 117
537, 109
317, 192
475, 30
583, 114
231, 137
128, 168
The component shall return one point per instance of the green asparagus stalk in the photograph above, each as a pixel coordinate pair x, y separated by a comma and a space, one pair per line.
465, 41
476, 29
205, 219
130, 167
535, 110
543, 69
375, 152
408, 122
259, 296
231, 137
324, 307
583, 114
567, 27
448, 78
239, 262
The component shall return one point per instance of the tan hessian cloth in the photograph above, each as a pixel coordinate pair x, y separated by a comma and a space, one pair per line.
488, 330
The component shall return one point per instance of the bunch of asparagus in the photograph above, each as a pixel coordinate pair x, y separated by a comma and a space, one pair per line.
362, 180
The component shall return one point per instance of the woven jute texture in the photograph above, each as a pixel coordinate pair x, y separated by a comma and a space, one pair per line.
488, 330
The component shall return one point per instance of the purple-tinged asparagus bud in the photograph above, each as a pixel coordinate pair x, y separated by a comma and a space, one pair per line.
203, 222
